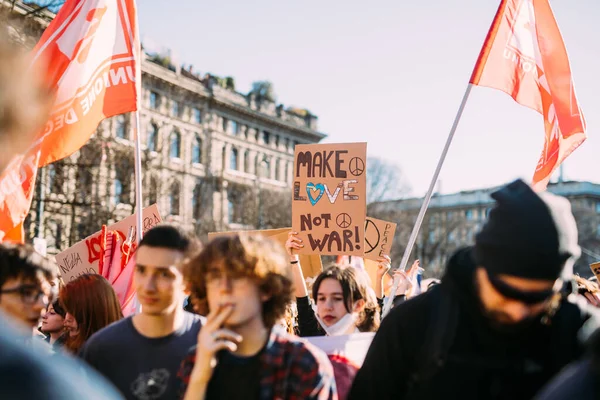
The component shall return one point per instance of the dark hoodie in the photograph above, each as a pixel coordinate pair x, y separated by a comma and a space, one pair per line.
480, 362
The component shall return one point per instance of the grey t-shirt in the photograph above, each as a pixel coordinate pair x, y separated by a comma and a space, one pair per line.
141, 368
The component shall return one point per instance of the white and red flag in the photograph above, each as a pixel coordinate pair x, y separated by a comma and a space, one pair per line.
91, 57
525, 57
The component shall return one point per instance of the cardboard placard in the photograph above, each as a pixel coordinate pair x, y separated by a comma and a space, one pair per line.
595, 267
371, 268
379, 236
329, 198
311, 264
82, 258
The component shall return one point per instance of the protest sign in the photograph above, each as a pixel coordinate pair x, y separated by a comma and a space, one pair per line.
311, 264
329, 198
595, 267
83, 257
379, 236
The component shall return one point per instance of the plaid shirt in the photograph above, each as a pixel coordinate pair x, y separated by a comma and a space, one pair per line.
290, 369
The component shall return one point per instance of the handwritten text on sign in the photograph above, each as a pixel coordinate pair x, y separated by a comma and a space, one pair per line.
329, 199
379, 236
82, 258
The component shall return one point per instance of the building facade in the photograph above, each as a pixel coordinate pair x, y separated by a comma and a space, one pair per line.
452, 221
213, 159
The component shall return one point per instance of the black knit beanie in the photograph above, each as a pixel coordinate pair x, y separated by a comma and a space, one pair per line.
529, 235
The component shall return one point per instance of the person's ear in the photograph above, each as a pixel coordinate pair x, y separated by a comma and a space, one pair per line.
359, 305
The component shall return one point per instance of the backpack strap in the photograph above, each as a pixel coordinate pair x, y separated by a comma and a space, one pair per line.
439, 336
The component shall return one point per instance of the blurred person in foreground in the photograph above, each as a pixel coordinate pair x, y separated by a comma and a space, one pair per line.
498, 325
24, 372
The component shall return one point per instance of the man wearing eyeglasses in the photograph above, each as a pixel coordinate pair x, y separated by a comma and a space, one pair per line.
25, 285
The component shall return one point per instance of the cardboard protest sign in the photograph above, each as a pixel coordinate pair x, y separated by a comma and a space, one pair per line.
595, 267
311, 264
83, 257
379, 236
329, 198
371, 268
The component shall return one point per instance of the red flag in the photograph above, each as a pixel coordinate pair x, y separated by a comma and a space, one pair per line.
525, 57
90, 53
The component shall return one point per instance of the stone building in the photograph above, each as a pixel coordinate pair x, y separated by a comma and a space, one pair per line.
452, 221
213, 159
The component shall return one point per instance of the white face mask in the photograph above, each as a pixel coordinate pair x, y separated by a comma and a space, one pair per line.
346, 324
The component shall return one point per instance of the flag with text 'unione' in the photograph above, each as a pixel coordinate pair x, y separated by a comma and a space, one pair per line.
525, 57
90, 55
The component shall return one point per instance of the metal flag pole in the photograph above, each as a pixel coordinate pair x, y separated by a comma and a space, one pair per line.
413, 235
138, 178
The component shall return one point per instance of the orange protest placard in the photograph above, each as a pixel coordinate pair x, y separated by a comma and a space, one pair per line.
329, 198
311, 264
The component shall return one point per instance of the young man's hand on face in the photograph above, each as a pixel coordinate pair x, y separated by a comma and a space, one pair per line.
211, 339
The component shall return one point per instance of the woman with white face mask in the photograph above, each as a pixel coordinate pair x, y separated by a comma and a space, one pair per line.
343, 303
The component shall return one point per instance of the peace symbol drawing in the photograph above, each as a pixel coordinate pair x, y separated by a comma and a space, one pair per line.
343, 220
356, 166
372, 236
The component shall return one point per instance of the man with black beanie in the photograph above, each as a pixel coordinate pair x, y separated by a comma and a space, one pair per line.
498, 325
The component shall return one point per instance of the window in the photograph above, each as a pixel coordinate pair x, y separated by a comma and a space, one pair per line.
277, 169
196, 214
175, 148
263, 168
197, 115
174, 199
154, 100
233, 161
598, 207
197, 151
121, 127
118, 192
469, 215
175, 108
247, 161
153, 191
230, 211
56, 178
235, 129
266, 137
487, 211
287, 143
153, 137
276, 141
225, 124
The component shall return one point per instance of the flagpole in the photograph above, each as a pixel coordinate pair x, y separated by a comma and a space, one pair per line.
138, 178
413, 236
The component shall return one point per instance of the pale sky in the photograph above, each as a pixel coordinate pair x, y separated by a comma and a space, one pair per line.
391, 73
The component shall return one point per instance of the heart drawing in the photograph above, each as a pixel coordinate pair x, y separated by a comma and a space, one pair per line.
310, 187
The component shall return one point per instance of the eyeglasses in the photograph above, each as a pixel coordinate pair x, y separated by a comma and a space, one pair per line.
31, 294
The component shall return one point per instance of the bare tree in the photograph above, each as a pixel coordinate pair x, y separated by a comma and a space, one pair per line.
385, 181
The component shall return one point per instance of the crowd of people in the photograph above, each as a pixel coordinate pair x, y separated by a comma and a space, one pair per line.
229, 319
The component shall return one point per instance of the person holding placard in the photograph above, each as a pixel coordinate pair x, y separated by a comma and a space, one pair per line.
343, 302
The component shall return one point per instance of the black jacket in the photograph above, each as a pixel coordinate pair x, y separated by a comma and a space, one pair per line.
478, 363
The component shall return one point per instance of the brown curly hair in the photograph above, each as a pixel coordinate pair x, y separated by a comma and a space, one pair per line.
354, 288
261, 259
